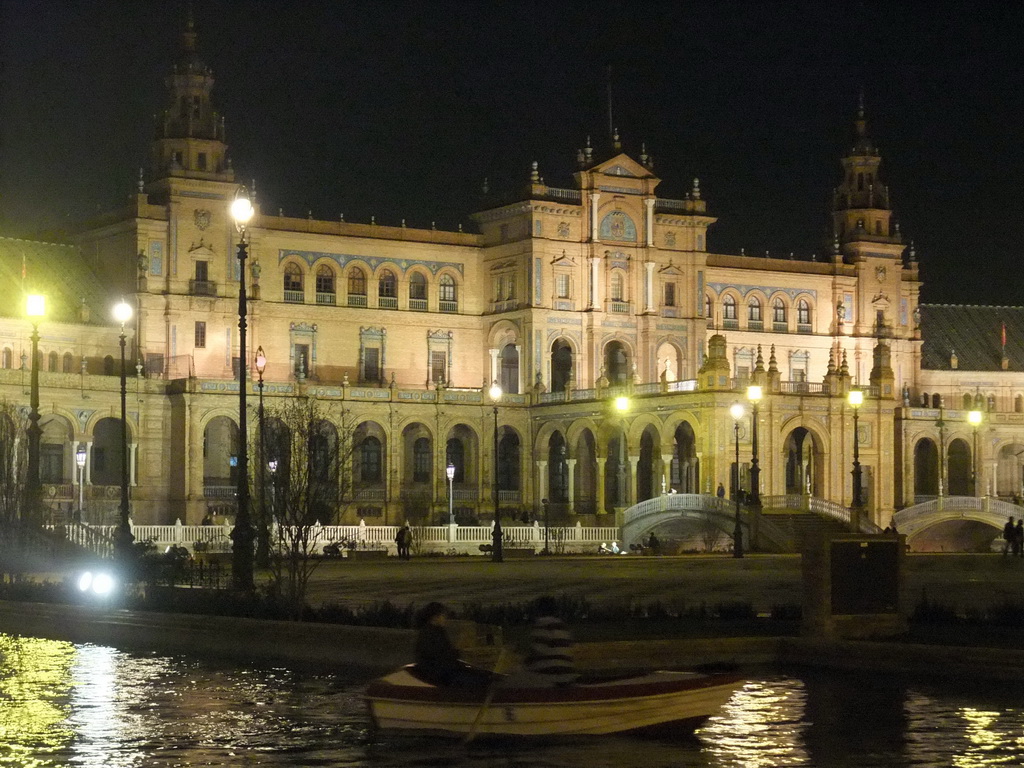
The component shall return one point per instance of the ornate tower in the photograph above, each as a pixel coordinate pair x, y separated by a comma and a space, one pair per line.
189, 139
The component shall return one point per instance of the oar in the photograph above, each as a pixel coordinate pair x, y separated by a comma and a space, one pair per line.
499, 668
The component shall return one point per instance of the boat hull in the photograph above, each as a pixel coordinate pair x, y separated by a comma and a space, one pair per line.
666, 702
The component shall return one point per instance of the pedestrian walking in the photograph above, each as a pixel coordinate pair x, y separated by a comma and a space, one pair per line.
404, 541
1018, 538
721, 491
1009, 536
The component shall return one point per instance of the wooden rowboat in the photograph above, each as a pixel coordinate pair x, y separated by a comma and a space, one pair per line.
663, 702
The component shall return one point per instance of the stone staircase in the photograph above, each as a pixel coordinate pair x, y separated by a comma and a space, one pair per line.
25, 548
798, 526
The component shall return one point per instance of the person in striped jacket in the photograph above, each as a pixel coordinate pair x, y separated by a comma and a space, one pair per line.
550, 655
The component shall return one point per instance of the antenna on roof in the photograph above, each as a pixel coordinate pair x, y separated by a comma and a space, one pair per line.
611, 128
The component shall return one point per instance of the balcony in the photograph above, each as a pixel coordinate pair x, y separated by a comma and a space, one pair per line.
755, 325
780, 327
387, 302
619, 307
418, 305
804, 328
451, 307
356, 300
202, 287
295, 297
330, 299
731, 324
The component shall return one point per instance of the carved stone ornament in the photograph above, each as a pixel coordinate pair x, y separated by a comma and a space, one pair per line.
563, 229
880, 273
202, 218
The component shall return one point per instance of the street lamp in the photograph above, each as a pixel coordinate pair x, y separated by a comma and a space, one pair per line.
497, 550
80, 461
737, 411
262, 538
450, 473
35, 308
974, 417
754, 395
123, 537
242, 534
856, 399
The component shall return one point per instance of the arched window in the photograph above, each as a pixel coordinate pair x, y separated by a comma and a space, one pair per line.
728, 308
455, 455
324, 279
417, 287
370, 460
707, 306
53, 362
356, 282
936, 400
69, 363
778, 311
447, 294
1018, 404
754, 309
968, 401
803, 312
293, 283
7, 358
421, 460
387, 285
617, 287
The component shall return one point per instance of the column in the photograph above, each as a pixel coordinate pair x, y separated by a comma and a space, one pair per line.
666, 471
594, 225
649, 289
494, 365
542, 479
519, 367
571, 464
88, 462
595, 282
650, 220
133, 450
600, 484
631, 492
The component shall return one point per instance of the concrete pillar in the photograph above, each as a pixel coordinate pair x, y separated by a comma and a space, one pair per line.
649, 293
519, 368
666, 471
595, 282
594, 224
542, 479
494, 365
600, 484
133, 450
649, 220
634, 461
571, 464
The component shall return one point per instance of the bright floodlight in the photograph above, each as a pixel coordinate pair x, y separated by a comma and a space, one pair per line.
974, 417
855, 398
85, 581
103, 584
754, 393
450, 471
621, 403
122, 312
241, 208
495, 391
736, 411
272, 465
35, 305
261, 360
80, 456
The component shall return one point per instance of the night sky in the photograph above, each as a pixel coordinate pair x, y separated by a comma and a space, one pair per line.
401, 109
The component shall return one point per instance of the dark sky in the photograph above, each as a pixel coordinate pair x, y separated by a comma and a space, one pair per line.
401, 109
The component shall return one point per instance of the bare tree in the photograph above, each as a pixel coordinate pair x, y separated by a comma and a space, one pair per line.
710, 535
312, 456
13, 466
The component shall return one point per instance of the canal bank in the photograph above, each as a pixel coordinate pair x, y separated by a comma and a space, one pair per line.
333, 647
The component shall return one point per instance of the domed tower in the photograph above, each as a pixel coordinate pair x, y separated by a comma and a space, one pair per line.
189, 139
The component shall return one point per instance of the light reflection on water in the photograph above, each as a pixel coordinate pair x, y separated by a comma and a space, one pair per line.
90, 706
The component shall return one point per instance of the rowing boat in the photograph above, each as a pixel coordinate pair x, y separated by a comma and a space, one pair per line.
664, 702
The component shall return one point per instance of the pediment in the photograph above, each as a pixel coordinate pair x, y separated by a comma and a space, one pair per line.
623, 166
671, 269
200, 251
563, 261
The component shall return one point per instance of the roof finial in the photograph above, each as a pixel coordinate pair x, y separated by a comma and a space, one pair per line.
141, 183
695, 194
534, 173
487, 186
616, 144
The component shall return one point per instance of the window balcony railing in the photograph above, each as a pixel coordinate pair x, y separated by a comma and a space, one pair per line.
387, 302
202, 287
780, 327
295, 297
731, 323
418, 305
465, 494
804, 328
509, 497
451, 307
60, 491
356, 300
755, 325
326, 298
619, 307
213, 491
369, 493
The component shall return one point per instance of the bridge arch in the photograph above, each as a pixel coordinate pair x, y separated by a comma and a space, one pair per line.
954, 523
926, 469
803, 455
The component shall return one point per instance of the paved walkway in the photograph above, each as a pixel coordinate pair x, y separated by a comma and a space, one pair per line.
960, 581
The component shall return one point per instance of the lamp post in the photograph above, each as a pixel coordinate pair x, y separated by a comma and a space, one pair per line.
450, 473
737, 411
754, 395
497, 548
80, 461
856, 400
974, 417
242, 534
262, 537
35, 308
123, 537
